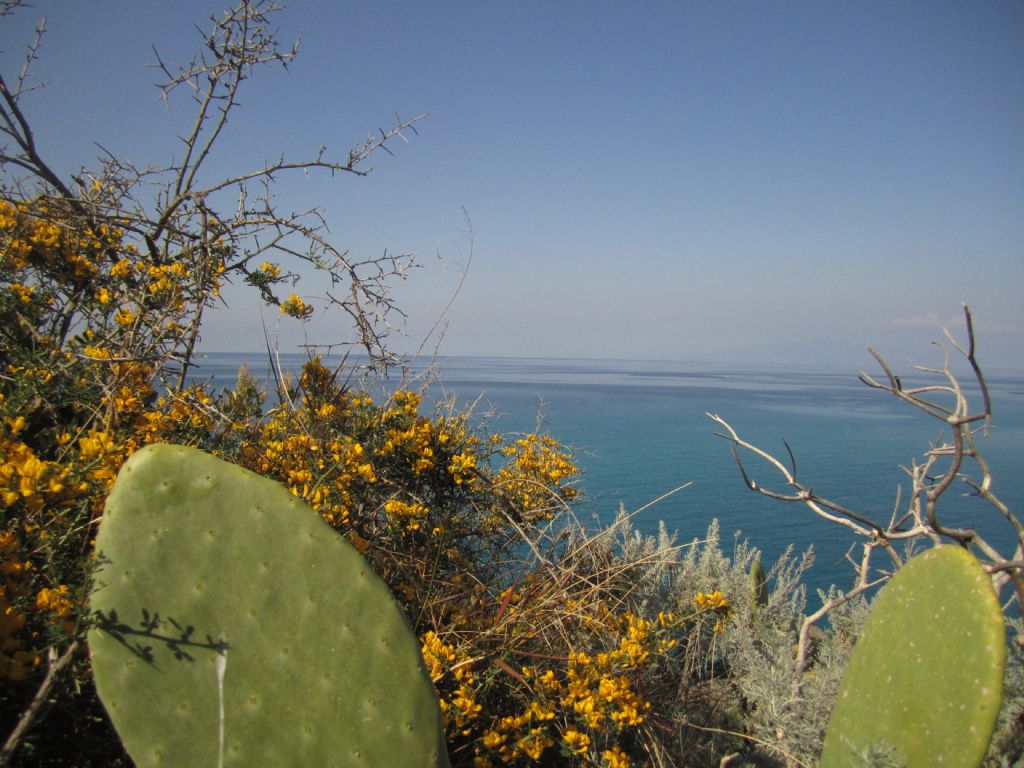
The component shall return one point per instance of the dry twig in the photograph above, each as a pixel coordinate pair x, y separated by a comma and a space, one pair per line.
944, 464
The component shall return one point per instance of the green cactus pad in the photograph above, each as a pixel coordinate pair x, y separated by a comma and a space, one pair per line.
758, 584
235, 628
925, 679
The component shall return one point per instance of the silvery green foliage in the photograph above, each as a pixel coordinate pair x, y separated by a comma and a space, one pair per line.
784, 714
1007, 748
739, 686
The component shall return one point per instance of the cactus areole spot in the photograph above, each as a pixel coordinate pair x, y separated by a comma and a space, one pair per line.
925, 679
222, 603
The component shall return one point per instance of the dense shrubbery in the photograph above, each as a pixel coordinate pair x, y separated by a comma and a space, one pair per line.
549, 644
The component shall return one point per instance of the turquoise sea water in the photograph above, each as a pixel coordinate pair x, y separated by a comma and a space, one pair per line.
640, 430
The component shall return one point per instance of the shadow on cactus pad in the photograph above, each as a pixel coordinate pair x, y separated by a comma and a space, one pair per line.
235, 628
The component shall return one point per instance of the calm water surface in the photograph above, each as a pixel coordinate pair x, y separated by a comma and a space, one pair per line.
640, 430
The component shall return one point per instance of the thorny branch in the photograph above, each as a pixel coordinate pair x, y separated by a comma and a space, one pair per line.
943, 465
221, 229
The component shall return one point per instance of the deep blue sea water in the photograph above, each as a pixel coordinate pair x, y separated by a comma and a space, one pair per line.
639, 430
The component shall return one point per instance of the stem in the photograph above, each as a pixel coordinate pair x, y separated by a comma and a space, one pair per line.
38, 702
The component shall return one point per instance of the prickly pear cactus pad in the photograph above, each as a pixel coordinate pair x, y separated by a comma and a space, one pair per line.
925, 679
235, 628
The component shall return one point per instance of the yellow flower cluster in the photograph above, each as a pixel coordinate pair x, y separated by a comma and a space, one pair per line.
324, 472
411, 513
616, 758
423, 443
597, 691
463, 467
101, 456
163, 278
538, 472
404, 403
29, 236
460, 707
57, 605
128, 389
295, 307
413, 492
55, 601
8, 216
16, 660
23, 292
416, 439
580, 709
270, 270
577, 740
587, 704
189, 408
716, 603
24, 477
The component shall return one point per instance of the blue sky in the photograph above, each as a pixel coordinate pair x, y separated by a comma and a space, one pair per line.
769, 181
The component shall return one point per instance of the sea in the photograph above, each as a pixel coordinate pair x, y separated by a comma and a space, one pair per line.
644, 441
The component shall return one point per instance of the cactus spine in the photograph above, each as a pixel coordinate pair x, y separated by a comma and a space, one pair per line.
925, 679
235, 628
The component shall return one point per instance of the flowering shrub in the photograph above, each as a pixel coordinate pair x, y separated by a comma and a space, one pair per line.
421, 496
538, 658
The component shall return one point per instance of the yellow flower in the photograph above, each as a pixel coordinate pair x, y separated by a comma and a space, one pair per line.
296, 307
461, 466
616, 758
272, 270
537, 474
7, 215
32, 471
533, 746
494, 739
437, 655
55, 601
577, 740
410, 514
123, 268
96, 353
466, 706
23, 292
712, 600
326, 410
542, 712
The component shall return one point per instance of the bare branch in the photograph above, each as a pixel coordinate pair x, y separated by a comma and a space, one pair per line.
803, 645
185, 222
820, 506
28, 716
944, 464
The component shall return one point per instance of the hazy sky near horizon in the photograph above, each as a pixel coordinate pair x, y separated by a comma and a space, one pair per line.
696, 180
